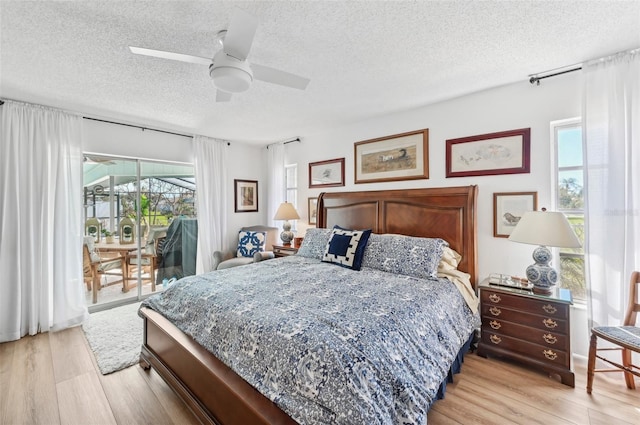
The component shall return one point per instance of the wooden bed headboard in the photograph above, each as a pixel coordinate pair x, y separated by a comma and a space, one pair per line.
448, 213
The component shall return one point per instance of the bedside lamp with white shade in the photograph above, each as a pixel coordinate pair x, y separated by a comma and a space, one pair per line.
286, 212
546, 229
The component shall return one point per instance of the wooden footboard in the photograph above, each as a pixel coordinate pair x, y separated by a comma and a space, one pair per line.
213, 392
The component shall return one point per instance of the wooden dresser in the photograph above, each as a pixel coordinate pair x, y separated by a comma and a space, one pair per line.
527, 327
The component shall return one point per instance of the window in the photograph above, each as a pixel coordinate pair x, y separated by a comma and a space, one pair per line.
291, 184
569, 190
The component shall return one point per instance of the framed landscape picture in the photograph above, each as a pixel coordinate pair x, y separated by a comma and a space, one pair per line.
508, 208
506, 152
328, 173
392, 158
245, 195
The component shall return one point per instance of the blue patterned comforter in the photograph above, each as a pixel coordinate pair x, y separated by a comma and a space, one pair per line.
327, 344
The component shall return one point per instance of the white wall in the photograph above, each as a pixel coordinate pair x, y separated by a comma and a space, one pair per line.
515, 106
510, 107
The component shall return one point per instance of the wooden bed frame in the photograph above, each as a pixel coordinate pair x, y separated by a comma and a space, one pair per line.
217, 395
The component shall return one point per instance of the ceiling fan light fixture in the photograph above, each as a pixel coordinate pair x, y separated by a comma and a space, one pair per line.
231, 79
230, 74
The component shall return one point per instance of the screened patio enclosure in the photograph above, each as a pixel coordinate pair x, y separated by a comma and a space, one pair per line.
147, 195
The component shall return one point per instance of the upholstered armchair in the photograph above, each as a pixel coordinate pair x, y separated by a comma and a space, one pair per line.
254, 245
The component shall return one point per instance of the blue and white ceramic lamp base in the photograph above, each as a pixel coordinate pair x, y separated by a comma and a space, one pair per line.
541, 274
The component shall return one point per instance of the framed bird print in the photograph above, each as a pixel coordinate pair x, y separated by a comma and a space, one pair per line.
508, 208
328, 173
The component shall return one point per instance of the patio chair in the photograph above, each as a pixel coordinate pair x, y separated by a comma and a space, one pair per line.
149, 258
94, 267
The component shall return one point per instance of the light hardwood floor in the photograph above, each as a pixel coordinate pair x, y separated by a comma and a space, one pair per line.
52, 378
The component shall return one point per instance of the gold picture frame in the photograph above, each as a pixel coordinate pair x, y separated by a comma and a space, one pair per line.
398, 157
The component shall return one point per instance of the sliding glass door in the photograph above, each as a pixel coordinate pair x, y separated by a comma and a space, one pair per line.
129, 208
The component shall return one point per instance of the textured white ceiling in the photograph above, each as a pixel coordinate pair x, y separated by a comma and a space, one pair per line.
363, 58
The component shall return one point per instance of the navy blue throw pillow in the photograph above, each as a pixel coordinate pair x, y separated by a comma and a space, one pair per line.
346, 247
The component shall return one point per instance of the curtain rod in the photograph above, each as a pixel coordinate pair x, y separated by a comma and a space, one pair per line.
297, 139
138, 126
536, 80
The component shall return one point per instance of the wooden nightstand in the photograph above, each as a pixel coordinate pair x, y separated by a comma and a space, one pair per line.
527, 327
284, 251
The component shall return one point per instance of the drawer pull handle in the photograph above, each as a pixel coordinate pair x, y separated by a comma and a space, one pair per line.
495, 311
495, 324
550, 323
549, 339
549, 308
551, 355
495, 298
495, 339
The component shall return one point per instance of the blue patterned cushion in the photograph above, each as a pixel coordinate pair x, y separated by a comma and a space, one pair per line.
250, 242
405, 255
346, 247
314, 243
629, 335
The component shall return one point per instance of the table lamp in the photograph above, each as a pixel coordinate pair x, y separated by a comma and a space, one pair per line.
286, 212
544, 228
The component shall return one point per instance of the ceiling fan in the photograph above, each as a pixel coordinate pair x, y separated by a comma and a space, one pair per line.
229, 68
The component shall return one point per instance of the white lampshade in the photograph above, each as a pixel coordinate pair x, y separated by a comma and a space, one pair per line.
286, 212
545, 228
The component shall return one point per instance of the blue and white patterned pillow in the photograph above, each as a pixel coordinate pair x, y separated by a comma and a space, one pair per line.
346, 247
314, 243
406, 255
250, 242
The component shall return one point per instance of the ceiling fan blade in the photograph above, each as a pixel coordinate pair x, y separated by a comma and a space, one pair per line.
170, 55
275, 76
239, 37
223, 96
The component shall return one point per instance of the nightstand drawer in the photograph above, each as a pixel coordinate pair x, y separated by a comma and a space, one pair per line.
544, 308
527, 327
524, 318
538, 336
533, 351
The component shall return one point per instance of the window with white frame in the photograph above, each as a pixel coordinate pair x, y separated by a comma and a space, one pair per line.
291, 185
569, 187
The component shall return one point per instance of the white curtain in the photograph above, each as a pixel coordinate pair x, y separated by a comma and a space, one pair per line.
211, 182
40, 221
611, 127
276, 190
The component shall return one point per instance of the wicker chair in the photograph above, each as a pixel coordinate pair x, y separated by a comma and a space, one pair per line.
625, 337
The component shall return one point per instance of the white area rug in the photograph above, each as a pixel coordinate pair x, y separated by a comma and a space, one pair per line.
115, 337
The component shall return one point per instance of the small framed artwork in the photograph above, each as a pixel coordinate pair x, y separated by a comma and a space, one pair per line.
313, 210
506, 152
399, 157
328, 173
508, 208
245, 195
